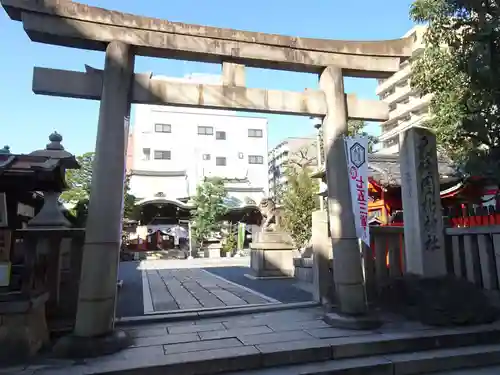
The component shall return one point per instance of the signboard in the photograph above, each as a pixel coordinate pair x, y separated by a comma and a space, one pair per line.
3, 210
4, 274
241, 235
357, 167
5, 244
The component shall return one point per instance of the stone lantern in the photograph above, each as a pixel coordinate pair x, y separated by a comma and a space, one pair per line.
5, 150
317, 123
58, 160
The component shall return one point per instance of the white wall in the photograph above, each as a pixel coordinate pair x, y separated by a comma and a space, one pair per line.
187, 148
406, 107
148, 186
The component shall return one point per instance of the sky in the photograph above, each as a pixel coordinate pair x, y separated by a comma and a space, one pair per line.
26, 119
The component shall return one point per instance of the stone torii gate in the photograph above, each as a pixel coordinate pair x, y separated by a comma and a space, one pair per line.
123, 36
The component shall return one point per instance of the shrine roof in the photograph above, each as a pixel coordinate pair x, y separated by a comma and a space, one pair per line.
189, 205
34, 172
21, 163
385, 170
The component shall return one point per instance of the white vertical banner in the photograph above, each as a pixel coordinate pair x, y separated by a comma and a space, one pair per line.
357, 168
126, 129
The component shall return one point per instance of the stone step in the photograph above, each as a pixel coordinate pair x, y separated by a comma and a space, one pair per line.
426, 362
490, 370
207, 352
426, 350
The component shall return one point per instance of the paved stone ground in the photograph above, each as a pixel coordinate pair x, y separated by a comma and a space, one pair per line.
172, 285
284, 290
130, 301
233, 342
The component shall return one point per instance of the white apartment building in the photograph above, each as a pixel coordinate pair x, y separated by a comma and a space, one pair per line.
175, 148
406, 107
286, 151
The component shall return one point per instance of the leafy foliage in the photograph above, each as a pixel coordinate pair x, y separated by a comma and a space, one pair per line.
80, 180
299, 200
461, 68
209, 203
80, 211
357, 127
354, 128
230, 239
129, 207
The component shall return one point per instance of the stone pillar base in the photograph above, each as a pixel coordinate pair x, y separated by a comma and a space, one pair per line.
359, 322
88, 347
271, 255
23, 329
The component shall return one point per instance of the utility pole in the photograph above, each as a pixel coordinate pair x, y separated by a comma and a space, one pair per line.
316, 121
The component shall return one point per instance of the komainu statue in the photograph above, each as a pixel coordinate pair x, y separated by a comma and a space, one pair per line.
268, 210
272, 249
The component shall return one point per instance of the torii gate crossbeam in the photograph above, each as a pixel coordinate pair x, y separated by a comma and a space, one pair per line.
66, 23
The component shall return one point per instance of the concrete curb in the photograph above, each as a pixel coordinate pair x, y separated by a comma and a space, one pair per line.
211, 313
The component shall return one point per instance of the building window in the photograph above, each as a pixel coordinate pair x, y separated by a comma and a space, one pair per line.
255, 159
403, 83
220, 135
162, 155
391, 141
240, 155
206, 156
146, 154
421, 112
163, 128
220, 161
205, 130
255, 133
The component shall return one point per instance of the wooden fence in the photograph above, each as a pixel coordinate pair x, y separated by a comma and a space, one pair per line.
469, 216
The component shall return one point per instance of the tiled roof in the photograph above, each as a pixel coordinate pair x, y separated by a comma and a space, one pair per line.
385, 169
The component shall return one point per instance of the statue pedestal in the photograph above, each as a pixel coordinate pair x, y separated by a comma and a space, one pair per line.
271, 255
212, 250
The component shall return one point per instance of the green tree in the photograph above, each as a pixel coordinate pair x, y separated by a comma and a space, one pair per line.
129, 207
357, 127
460, 66
230, 242
209, 207
79, 182
299, 200
354, 128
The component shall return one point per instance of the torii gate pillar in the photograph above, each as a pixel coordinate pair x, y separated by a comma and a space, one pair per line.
347, 266
94, 328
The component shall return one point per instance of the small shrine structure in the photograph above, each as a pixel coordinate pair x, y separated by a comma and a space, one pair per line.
30, 266
385, 187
